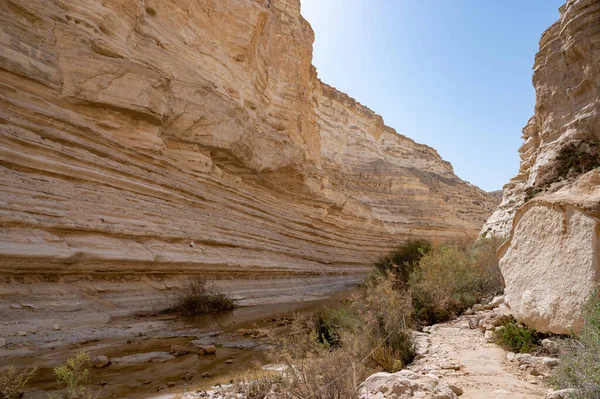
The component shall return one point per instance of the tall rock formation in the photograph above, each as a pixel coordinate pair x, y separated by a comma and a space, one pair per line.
165, 137
550, 210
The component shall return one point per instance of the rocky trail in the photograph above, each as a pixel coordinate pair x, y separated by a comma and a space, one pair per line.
458, 358
462, 357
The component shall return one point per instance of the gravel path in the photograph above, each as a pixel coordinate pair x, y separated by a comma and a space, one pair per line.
462, 357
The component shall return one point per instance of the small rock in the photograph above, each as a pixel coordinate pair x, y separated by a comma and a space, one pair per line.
228, 361
551, 345
170, 384
478, 307
102, 383
525, 358
455, 389
100, 361
2, 342
562, 394
550, 361
535, 372
510, 356
15, 306
488, 307
473, 323
489, 336
497, 301
206, 375
523, 367
450, 366
208, 349
56, 327
21, 333
179, 350
469, 312
188, 376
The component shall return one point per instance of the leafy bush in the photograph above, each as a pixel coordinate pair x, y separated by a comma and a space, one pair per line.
402, 260
196, 297
75, 376
580, 357
12, 381
452, 277
517, 338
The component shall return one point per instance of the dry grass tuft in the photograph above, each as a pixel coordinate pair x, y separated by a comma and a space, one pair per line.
196, 297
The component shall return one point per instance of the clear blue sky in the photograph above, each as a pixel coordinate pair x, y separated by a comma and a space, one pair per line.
452, 74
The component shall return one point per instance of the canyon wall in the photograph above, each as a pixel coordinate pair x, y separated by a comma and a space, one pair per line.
161, 138
550, 209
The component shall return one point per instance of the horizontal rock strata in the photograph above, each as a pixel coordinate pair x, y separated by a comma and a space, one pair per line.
176, 137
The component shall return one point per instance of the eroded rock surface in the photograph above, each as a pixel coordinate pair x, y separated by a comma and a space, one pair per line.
151, 139
551, 263
562, 138
549, 211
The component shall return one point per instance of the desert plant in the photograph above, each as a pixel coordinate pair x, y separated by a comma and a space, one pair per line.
580, 357
574, 159
385, 313
402, 260
13, 381
75, 376
196, 297
517, 338
452, 277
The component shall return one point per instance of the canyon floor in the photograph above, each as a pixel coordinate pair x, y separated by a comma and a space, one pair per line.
142, 367
463, 357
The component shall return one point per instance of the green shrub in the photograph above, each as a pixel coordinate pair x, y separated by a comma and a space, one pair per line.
402, 260
517, 338
452, 277
196, 297
580, 357
385, 313
75, 376
12, 381
331, 323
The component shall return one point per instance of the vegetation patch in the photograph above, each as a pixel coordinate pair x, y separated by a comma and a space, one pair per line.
196, 297
402, 260
453, 277
517, 338
575, 159
580, 357
13, 381
75, 377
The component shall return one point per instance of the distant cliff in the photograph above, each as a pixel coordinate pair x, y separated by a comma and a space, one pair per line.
173, 137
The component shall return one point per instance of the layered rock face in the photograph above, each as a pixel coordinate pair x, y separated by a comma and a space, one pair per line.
182, 137
550, 209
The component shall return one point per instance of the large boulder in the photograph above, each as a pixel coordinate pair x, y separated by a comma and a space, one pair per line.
404, 385
551, 262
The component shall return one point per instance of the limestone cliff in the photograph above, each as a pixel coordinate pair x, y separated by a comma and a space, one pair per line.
550, 210
173, 137
562, 139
